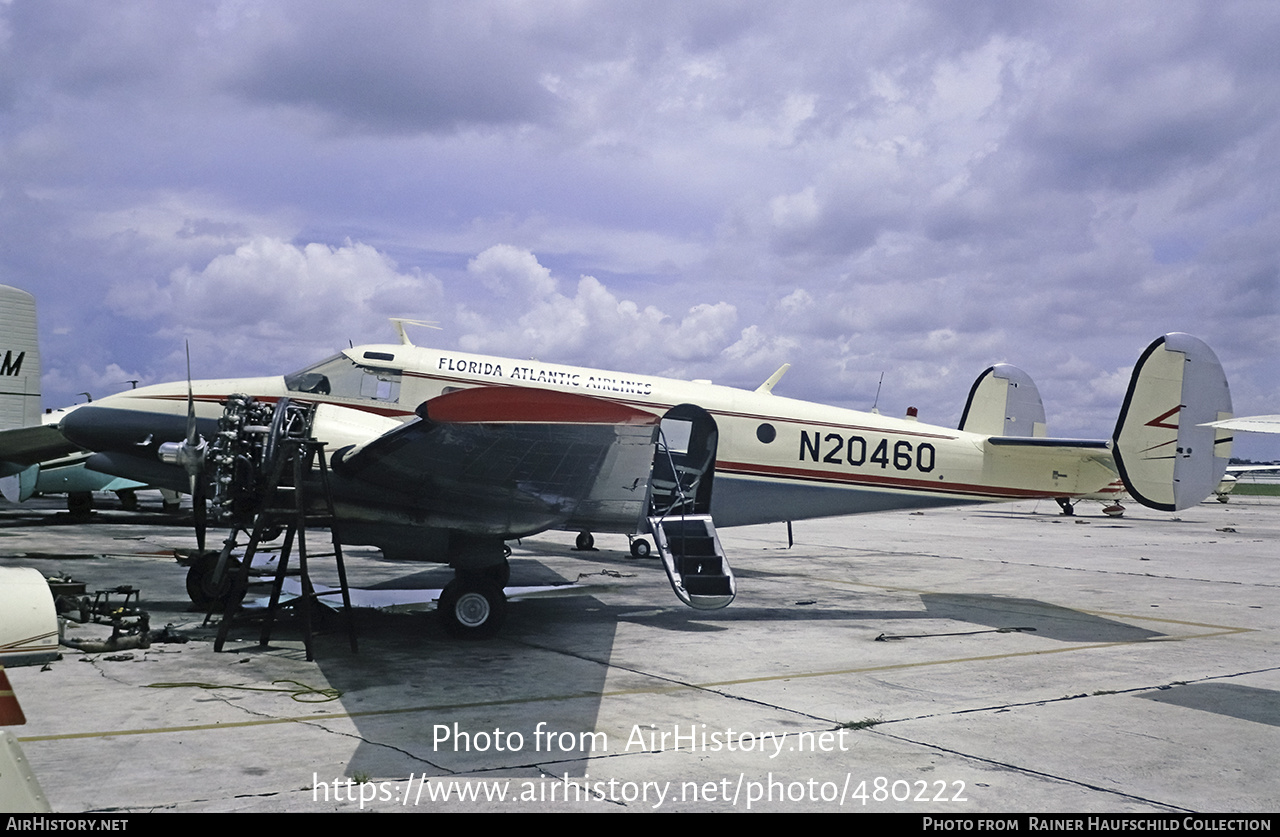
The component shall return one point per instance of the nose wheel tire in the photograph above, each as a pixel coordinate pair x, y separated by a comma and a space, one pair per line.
472, 608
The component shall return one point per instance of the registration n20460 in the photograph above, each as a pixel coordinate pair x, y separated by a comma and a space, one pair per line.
838, 449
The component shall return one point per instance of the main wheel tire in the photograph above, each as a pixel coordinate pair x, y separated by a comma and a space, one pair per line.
80, 504
586, 541
200, 586
640, 548
472, 608
499, 574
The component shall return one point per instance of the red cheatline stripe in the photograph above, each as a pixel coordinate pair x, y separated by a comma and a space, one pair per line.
502, 405
871, 480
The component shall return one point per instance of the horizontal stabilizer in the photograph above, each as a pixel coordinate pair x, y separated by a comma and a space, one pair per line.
1087, 446
1004, 401
1049, 467
1168, 459
1250, 424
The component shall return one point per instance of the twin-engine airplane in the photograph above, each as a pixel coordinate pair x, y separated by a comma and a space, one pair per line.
444, 456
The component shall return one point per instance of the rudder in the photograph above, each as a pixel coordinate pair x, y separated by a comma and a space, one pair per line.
1168, 460
1004, 401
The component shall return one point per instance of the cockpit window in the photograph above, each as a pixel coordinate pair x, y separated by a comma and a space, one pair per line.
339, 376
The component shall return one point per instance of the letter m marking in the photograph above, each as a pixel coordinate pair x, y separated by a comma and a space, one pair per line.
10, 366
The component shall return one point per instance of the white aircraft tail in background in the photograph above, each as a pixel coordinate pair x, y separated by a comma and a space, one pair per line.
19, 360
36, 458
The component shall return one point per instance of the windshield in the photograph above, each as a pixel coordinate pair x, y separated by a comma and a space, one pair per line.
341, 377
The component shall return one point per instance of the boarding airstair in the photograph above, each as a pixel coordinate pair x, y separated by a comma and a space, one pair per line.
694, 560
679, 510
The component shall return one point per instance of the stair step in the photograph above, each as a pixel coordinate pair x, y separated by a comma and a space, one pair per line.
694, 560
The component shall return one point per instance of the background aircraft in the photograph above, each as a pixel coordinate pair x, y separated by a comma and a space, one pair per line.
442, 456
35, 458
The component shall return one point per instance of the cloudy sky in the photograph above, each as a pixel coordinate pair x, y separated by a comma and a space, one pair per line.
696, 189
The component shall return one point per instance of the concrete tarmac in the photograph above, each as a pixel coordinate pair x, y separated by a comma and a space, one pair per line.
965, 661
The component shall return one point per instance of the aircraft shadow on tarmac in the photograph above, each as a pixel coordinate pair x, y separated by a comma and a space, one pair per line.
553, 658
1248, 703
1049, 620
996, 613
410, 677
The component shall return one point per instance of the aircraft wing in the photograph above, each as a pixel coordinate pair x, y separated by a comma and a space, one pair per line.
23, 446
511, 461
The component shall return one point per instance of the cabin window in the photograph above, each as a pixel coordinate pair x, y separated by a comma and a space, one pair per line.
676, 433
340, 377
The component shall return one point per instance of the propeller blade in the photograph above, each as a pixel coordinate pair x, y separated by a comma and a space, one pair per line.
193, 460
192, 436
199, 510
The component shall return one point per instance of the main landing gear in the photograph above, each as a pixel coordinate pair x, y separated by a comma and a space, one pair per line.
473, 606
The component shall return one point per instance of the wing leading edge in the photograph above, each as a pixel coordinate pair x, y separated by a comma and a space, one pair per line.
512, 461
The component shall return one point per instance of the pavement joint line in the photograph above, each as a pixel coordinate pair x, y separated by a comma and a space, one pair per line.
1028, 771
1005, 562
982, 658
1135, 616
1107, 693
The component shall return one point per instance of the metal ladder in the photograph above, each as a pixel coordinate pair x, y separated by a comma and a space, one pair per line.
286, 505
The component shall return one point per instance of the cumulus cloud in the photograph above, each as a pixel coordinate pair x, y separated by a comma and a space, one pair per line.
268, 292
508, 270
593, 326
96, 381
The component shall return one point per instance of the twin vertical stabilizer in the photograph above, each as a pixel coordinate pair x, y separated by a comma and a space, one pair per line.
1168, 459
1004, 401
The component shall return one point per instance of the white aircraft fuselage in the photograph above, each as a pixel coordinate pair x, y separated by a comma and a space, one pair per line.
442, 455
776, 458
